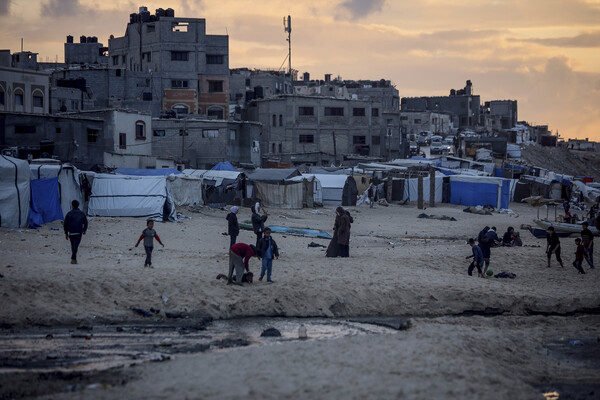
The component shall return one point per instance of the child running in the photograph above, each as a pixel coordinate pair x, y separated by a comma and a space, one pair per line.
477, 259
579, 254
148, 235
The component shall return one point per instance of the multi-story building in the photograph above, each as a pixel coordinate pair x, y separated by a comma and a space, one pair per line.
87, 51
415, 122
500, 115
321, 130
187, 71
22, 87
462, 104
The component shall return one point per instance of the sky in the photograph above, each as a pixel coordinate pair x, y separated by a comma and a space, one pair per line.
543, 53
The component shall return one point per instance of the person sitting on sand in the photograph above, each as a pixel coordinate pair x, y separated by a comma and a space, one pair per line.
149, 234
239, 255
509, 237
477, 259
553, 246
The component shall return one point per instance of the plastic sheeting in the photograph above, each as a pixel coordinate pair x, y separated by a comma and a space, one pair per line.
480, 191
68, 182
45, 202
131, 196
411, 188
14, 192
223, 166
147, 171
186, 191
281, 196
337, 189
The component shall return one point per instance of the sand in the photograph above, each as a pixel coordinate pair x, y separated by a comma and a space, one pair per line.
421, 274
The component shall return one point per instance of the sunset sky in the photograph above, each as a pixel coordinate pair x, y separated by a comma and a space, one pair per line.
543, 53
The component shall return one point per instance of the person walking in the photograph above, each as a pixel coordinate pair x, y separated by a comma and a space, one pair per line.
267, 248
149, 234
343, 233
371, 195
587, 239
233, 228
490, 239
579, 255
553, 246
258, 222
239, 255
75, 225
477, 259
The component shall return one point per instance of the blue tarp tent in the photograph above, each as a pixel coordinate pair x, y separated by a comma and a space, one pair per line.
479, 191
45, 202
223, 166
147, 172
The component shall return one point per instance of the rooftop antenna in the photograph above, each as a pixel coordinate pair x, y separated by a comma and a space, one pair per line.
287, 25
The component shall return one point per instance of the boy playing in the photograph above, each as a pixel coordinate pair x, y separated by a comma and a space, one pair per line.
148, 235
477, 259
268, 248
579, 254
553, 246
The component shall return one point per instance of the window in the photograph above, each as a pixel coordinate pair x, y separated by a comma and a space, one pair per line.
58, 130
1, 98
180, 109
359, 140
232, 134
374, 112
122, 140
179, 55
210, 133
92, 135
18, 99
215, 86
150, 28
334, 111
306, 111
272, 147
159, 132
115, 60
179, 84
214, 59
25, 129
38, 101
375, 140
358, 112
417, 120
147, 56
215, 113
280, 147
74, 104
124, 60
274, 120
404, 118
117, 72
147, 96
140, 130
180, 26
463, 104
306, 138
280, 120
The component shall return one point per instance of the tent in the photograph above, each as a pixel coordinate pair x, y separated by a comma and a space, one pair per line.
131, 196
273, 175
411, 188
336, 189
480, 191
186, 190
68, 181
286, 195
220, 187
147, 171
223, 166
45, 202
14, 192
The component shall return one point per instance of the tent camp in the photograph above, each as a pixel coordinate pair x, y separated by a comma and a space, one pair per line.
277, 187
131, 196
220, 187
336, 189
479, 191
68, 181
147, 171
14, 192
411, 188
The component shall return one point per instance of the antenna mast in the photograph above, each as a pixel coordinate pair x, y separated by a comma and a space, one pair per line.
288, 28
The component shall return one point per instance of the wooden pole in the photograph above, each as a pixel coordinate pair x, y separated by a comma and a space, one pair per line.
389, 189
431, 187
420, 199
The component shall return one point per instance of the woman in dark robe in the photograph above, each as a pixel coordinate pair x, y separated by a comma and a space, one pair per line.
332, 249
340, 247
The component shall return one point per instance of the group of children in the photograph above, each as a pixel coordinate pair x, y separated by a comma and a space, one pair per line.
584, 248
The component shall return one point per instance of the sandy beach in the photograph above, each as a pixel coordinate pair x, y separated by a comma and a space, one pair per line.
399, 265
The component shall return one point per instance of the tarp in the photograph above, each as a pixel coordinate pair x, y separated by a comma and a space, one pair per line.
68, 182
411, 188
147, 172
45, 202
480, 191
217, 176
14, 192
223, 166
281, 196
186, 191
336, 189
131, 196
272, 175
316, 190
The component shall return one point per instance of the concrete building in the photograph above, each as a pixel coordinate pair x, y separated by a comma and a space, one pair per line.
22, 87
500, 115
87, 51
462, 104
186, 69
198, 143
320, 130
415, 122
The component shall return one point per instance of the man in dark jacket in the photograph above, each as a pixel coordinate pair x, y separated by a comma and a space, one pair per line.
489, 240
76, 225
258, 222
233, 228
553, 246
267, 248
587, 239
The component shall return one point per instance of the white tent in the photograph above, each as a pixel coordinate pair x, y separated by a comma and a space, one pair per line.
68, 180
131, 196
333, 186
14, 192
317, 188
186, 190
411, 188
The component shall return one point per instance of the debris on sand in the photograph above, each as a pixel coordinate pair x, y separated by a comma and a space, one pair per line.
271, 332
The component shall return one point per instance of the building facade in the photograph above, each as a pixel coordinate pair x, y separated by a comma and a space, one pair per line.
23, 89
415, 122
